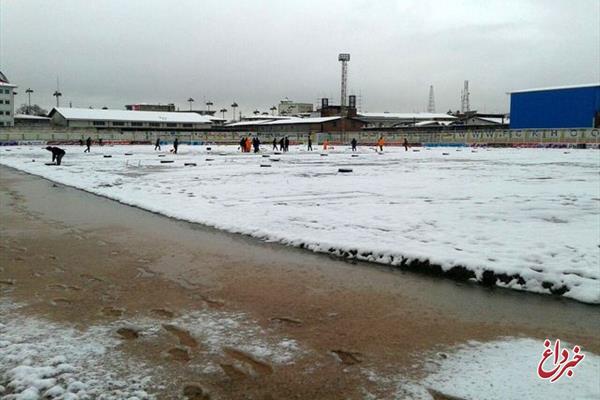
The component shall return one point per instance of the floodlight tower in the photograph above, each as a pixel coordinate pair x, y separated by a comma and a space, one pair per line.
431, 105
344, 58
464, 99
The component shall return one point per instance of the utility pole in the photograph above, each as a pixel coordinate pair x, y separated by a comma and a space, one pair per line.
190, 100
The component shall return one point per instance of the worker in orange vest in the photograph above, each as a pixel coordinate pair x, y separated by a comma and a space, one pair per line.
380, 143
248, 144
325, 144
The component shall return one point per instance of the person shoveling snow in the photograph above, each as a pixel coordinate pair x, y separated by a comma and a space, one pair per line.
57, 154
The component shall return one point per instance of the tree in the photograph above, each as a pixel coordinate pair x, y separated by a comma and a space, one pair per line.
33, 110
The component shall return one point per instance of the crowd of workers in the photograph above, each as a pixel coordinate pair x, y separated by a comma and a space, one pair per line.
247, 144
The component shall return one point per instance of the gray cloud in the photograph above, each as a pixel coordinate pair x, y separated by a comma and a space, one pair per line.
113, 52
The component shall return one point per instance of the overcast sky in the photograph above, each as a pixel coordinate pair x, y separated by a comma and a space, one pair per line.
115, 52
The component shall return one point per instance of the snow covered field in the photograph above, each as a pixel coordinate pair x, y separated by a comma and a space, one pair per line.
529, 217
502, 369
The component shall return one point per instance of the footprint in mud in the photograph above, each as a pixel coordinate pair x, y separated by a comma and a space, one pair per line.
179, 354
261, 367
347, 357
441, 396
287, 320
193, 391
91, 277
213, 302
233, 372
163, 313
63, 286
112, 311
61, 301
128, 333
185, 338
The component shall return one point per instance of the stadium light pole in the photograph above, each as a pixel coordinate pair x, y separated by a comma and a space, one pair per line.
234, 106
190, 100
208, 104
57, 94
29, 91
223, 111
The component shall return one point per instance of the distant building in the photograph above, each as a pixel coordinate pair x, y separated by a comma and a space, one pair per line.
294, 125
556, 107
31, 120
288, 107
150, 107
7, 102
390, 120
128, 120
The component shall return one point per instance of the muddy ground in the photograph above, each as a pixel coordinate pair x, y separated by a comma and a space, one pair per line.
76, 258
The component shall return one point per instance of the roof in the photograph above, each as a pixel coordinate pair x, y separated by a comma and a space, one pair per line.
495, 120
408, 116
26, 116
126, 115
271, 117
556, 88
249, 123
432, 123
6, 84
295, 120
286, 121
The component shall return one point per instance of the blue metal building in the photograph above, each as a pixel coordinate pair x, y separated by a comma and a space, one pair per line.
558, 107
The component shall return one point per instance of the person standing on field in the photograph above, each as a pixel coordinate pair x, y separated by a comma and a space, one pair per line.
88, 143
353, 143
287, 144
157, 144
380, 143
325, 144
309, 144
405, 144
175, 145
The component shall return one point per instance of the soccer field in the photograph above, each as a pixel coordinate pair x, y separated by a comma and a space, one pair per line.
526, 219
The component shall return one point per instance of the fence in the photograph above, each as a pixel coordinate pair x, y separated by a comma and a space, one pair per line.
529, 137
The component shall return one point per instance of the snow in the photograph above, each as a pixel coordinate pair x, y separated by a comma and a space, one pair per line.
42, 359
531, 214
408, 116
585, 85
27, 116
283, 121
503, 369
